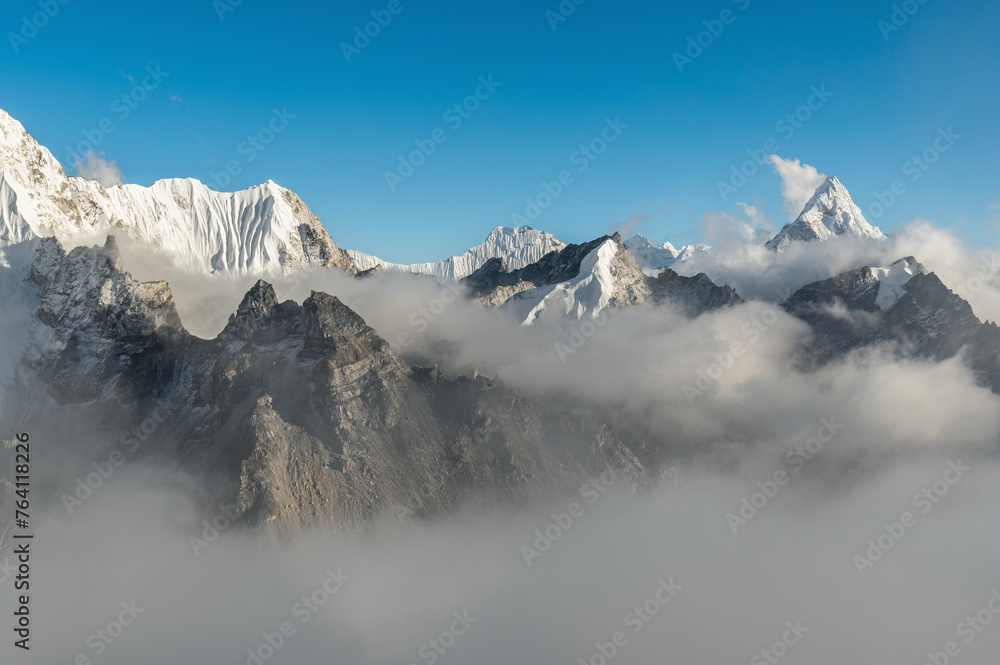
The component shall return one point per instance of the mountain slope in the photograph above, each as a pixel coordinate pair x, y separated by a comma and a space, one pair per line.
582, 281
265, 229
299, 414
518, 247
830, 212
902, 306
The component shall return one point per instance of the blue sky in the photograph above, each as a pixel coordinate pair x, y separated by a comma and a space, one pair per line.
223, 79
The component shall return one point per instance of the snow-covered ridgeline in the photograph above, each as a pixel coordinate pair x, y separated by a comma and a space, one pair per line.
264, 229
519, 247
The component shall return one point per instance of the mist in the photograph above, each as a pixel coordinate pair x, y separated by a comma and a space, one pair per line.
776, 485
703, 593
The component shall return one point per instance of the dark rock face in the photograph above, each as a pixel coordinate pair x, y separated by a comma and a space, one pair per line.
692, 296
841, 312
929, 320
301, 415
493, 284
984, 355
926, 321
104, 324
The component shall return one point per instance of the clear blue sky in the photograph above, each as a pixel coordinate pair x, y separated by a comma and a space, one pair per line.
607, 60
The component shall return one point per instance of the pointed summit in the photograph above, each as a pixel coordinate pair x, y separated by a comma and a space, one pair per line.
830, 212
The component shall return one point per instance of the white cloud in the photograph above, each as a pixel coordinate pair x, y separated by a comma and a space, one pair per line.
93, 166
753, 213
798, 182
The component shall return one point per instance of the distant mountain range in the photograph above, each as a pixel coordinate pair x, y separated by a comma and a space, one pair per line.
300, 413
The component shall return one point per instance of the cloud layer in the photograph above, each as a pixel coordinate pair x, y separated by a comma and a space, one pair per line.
858, 442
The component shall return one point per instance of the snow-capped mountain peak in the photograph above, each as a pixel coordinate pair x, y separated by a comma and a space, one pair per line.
829, 212
644, 249
264, 229
607, 276
518, 247
653, 258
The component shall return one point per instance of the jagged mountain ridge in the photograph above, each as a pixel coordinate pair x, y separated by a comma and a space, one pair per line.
518, 247
582, 281
300, 414
902, 306
265, 229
